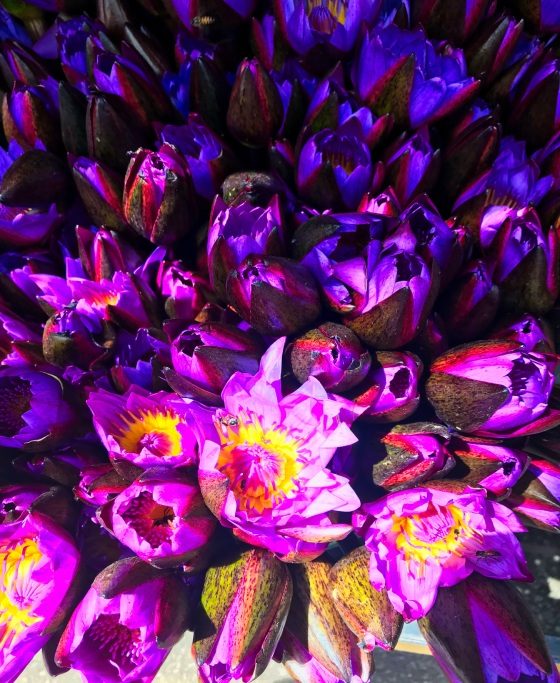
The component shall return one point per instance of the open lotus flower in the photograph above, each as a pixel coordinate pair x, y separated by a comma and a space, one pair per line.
410, 454
333, 354
425, 539
533, 333
484, 463
158, 199
126, 624
245, 598
392, 61
239, 231
334, 167
367, 612
161, 517
493, 388
536, 497
389, 392
316, 643
482, 630
142, 429
334, 24
35, 412
263, 462
39, 562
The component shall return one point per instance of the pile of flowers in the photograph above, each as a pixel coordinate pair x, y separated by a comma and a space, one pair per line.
278, 318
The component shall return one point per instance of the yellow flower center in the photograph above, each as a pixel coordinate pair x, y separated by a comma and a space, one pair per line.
336, 8
261, 464
16, 565
154, 430
436, 533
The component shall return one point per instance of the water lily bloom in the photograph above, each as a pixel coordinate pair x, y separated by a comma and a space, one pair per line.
392, 60
333, 354
239, 231
470, 305
39, 562
187, 292
367, 612
498, 639
334, 167
207, 355
523, 258
263, 464
533, 333
243, 609
493, 388
335, 24
397, 291
389, 392
158, 199
497, 468
161, 517
146, 430
35, 413
316, 644
422, 539
262, 290
116, 634
410, 454
412, 166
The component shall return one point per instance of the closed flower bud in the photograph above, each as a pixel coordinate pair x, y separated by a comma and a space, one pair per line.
35, 179
187, 292
246, 600
263, 291
255, 108
535, 334
493, 388
30, 116
316, 643
158, 198
103, 253
489, 51
366, 611
331, 353
452, 21
101, 192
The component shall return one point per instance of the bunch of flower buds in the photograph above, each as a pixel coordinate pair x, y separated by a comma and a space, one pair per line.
279, 314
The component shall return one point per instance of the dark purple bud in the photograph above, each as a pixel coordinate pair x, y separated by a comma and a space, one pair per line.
432, 340
543, 15
158, 198
30, 117
535, 334
111, 130
392, 61
114, 15
256, 187
523, 259
255, 109
397, 299
535, 113
332, 354
103, 253
493, 388
187, 292
101, 192
410, 454
468, 307
35, 179
72, 106
334, 168
263, 290
452, 21
389, 392
412, 166
208, 354
148, 48
208, 157
71, 338
488, 52
209, 92
236, 232
19, 64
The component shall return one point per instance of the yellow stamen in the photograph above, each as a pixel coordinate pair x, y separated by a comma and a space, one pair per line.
16, 565
156, 430
336, 8
261, 464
